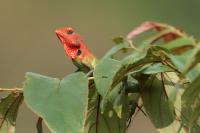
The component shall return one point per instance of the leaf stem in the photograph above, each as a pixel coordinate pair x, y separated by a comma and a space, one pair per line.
133, 46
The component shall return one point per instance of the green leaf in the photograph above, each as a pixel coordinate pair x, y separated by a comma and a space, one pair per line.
156, 103
132, 64
191, 106
116, 49
133, 101
175, 127
103, 77
195, 60
170, 81
9, 107
186, 63
192, 90
174, 90
133, 58
179, 43
110, 72
156, 68
120, 102
183, 61
61, 103
104, 74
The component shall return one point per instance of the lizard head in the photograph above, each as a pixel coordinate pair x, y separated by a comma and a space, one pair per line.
72, 42
74, 46
68, 37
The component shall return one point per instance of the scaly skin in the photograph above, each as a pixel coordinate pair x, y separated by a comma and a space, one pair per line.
76, 48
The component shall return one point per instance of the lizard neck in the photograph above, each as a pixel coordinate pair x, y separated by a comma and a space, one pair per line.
90, 60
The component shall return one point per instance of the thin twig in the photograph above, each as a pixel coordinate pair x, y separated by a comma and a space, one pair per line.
133, 46
90, 78
11, 89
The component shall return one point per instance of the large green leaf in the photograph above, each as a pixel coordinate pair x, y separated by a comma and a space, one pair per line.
61, 103
8, 112
156, 103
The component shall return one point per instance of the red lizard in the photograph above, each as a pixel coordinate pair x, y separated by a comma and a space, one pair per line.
75, 47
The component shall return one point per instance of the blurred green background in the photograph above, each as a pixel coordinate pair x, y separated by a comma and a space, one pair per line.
28, 41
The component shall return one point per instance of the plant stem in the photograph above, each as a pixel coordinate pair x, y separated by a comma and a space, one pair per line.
90, 78
11, 89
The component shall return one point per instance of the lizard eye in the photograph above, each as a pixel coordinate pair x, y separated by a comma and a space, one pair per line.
70, 32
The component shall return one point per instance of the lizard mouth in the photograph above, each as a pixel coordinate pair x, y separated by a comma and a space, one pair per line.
60, 37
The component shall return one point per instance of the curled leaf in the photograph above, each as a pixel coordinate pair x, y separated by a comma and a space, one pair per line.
151, 25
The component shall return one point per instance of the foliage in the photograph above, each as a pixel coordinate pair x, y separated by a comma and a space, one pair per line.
8, 111
158, 76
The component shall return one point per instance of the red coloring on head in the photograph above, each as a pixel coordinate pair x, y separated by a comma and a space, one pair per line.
74, 46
